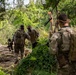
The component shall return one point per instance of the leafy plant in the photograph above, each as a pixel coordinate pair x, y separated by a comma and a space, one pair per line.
41, 72
2, 72
39, 59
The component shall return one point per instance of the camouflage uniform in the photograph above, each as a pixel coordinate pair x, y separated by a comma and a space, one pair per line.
33, 37
19, 46
10, 47
60, 44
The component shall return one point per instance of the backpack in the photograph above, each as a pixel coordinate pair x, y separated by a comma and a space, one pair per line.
72, 47
66, 46
63, 44
72, 53
19, 37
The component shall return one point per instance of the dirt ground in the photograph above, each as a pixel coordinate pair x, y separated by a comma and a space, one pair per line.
7, 58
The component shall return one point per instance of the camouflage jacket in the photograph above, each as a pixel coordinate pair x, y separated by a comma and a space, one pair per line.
22, 35
33, 35
55, 40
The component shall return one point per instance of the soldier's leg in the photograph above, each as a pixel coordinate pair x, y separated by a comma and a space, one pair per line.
12, 48
22, 51
16, 48
8, 46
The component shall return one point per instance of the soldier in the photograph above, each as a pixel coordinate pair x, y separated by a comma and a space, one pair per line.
19, 41
33, 36
10, 47
60, 45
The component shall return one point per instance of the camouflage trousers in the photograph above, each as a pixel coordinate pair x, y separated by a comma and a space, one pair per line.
65, 70
19, 48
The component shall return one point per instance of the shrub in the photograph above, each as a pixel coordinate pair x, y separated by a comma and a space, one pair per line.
2, 73
40, 59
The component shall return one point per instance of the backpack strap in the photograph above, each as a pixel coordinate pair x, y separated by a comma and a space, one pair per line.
60, 41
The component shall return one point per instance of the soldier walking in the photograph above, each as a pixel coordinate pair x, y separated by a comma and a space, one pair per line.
10, 45
19, 41
33, 36
60, 45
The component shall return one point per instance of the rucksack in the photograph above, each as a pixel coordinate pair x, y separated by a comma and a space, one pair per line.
63, 45
19, 37
66, 46
72, 45
72, 53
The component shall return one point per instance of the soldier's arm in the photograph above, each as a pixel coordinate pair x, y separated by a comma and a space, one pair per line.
27, 36
53, 43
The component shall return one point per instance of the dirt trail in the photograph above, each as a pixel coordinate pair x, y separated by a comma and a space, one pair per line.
7, 58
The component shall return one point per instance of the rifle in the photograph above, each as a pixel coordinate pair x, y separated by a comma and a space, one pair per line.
47, 21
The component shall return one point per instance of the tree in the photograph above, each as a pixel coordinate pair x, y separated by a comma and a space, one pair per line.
2, 9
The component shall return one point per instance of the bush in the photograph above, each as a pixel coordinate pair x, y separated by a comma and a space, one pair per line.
40, 72
40, 59
2, 73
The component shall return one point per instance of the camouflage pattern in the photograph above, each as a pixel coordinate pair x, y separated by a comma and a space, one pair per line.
19, 37
72, 53
61, 42
19, 44
18, 48
33, 35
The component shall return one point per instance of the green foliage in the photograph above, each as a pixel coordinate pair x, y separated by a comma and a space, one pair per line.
52, 3
20, 18
40, 59
40, 72
68, 7
65, 6
2, 73
32, 15
2, 9
6, 31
